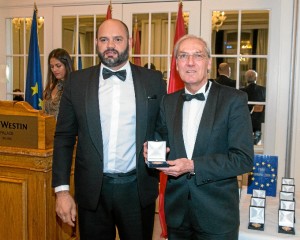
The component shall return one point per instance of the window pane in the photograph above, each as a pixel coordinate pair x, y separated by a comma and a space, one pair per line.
159, 36
18, 73
224, 32
28, 33
68, 34
84, 62
18, 35
86, 35
41, 36
256, 24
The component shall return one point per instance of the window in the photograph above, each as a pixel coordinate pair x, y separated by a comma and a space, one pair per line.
241, 40
18, 38
78, 38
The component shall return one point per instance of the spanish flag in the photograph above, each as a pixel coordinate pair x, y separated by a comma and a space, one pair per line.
109, 11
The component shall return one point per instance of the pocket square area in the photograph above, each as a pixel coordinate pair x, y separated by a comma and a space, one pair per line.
152, 97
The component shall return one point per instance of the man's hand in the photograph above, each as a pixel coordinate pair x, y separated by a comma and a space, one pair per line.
66, 207
178, 167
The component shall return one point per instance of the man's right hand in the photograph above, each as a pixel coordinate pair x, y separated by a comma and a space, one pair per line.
66, 207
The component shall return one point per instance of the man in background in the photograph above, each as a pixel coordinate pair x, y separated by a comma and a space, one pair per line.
111, 110
224, 71
256, 93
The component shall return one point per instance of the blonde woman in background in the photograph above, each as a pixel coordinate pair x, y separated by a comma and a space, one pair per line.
59, 67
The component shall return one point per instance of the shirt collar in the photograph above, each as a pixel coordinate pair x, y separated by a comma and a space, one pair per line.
204, 89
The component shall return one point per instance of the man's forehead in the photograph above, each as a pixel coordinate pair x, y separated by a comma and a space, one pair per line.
192, 44
112, 28
104, 35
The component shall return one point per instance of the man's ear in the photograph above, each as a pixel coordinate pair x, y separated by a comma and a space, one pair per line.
130, 43
209, 64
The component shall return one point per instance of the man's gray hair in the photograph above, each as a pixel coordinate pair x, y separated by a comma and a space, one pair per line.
190, 36
251, 76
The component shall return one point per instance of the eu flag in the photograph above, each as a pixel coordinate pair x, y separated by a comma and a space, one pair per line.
264, 174
34, 88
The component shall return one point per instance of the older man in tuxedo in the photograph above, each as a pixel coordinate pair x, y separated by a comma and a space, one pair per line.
208, 130
256, 93
111, 109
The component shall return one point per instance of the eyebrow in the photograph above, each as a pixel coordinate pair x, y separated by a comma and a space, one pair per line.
118, 36
191, 52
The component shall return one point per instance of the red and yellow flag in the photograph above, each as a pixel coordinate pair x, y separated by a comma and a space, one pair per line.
175, 82
136, 44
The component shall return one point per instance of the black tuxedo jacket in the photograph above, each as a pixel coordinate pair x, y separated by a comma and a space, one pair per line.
256, 93
79, 118
223, 150
222, 79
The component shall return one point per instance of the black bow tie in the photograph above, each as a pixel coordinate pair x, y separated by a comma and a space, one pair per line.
106, 73
189, 97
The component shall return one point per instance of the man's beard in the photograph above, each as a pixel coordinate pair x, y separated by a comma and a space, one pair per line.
114, 62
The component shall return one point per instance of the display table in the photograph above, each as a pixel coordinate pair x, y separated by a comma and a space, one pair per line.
271, 220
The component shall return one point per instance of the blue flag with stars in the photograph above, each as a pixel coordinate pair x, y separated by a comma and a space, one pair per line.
264, 174
34, 88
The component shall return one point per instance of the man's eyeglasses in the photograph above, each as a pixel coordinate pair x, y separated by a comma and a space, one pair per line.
196, 56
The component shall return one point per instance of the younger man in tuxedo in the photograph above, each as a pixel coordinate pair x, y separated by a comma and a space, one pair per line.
111, 110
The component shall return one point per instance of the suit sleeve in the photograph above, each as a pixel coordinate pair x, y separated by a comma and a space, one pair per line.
64, 139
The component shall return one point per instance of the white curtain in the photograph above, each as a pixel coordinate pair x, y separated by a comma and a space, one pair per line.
262, 49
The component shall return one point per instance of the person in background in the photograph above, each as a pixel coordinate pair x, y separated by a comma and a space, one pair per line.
152, 66
207, 127
111, 109
18, 97
256, 93
59, 67
224, 71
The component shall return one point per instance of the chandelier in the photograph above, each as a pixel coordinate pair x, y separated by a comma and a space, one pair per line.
217, 19
186, 16
17, 22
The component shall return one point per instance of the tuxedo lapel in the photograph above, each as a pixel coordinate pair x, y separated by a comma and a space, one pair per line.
178, 136
92, 108
207, 121
141, 106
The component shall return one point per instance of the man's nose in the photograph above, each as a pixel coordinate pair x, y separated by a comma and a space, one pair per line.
111, 43
190, 59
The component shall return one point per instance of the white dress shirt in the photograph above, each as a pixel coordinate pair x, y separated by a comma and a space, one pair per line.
118, 122
191, 117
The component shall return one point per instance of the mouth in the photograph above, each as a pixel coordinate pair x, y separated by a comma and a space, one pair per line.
110, 53
190, 71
